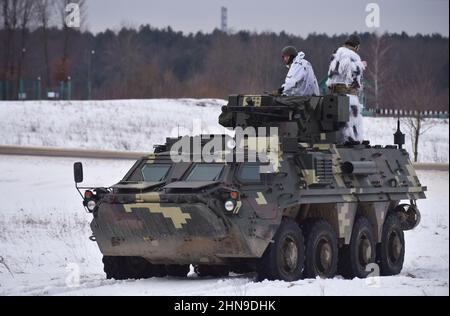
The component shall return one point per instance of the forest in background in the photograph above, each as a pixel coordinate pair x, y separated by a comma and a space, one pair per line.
404, 72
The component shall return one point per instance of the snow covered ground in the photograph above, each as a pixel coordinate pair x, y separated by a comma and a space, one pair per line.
137, 125
44, 242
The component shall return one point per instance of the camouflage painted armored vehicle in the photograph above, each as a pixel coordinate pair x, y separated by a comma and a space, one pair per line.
282, 197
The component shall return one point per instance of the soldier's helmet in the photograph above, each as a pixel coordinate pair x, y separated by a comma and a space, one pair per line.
290, 51
353, 40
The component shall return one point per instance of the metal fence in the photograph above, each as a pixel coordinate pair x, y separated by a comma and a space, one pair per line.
27, 89
405, 113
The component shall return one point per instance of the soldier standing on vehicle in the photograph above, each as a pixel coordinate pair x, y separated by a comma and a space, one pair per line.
345, 77
300, 79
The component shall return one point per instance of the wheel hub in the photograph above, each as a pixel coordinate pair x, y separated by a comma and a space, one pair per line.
395, 247
290, 255
325, 256
365, 251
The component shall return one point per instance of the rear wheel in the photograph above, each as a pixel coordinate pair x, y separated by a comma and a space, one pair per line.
391, 251
321, 249
355, 257
284, 258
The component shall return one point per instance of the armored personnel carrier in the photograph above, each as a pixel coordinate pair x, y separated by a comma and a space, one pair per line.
284, 197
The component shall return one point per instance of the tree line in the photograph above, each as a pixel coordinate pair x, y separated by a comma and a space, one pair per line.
404, 72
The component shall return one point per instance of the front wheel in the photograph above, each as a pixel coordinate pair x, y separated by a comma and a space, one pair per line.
284, 258
391, 251
355, 257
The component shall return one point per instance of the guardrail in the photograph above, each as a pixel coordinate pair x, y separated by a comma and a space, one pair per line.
109, 154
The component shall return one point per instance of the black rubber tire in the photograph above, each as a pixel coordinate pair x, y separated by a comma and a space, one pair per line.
214, 271
319, 235
177, 270
391, 251
288, 241
352, 262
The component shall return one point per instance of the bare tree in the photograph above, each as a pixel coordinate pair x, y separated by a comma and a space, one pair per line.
125, 61
5, 36
9, 17
15, 15
61, 8
417, 93
26, 17
378, 70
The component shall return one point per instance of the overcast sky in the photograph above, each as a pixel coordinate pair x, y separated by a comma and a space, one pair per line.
293, 16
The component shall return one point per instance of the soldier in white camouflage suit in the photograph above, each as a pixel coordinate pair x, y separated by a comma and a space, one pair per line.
345, 77
300, 79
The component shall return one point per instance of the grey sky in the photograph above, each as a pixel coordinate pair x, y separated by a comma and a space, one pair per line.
293, 16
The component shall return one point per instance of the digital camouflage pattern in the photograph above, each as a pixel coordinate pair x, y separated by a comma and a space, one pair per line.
175, 221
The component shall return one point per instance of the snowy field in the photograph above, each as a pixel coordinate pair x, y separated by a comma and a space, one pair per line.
44, 241
137, 125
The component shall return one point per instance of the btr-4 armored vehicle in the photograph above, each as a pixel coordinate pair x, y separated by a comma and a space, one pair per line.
284, 197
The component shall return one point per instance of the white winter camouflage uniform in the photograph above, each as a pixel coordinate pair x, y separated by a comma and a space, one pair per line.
346, 68
300, 79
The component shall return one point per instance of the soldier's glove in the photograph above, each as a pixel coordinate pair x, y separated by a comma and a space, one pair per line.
275, 93
278, 92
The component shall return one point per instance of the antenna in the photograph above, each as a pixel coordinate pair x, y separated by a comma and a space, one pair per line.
178, 127
399, 137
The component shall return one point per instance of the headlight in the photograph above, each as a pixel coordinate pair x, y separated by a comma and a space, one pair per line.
91, 205
229, 205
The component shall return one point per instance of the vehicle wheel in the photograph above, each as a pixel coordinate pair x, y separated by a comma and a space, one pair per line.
115, 268
321, 249
177, 270
354, 258
212, 271
391, 251
284, 258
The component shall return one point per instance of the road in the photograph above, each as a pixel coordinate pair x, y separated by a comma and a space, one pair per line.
106, 154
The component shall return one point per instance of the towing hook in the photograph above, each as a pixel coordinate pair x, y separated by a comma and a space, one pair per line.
92, 238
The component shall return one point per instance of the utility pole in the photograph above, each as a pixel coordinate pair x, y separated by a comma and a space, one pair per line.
91, 56
21, 95
38, 88
69, 88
